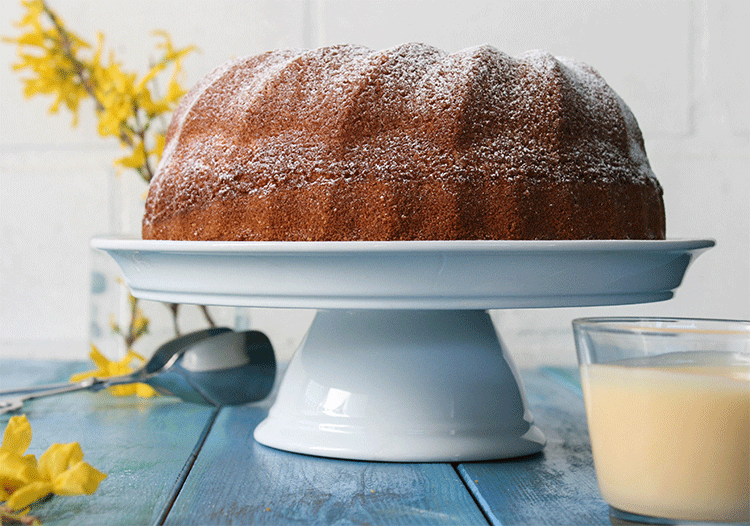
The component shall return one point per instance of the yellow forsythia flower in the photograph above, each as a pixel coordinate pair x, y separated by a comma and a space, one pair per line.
16, 470
60, 470
135, 159
106, 368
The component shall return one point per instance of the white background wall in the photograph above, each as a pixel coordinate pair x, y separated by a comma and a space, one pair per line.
681, 66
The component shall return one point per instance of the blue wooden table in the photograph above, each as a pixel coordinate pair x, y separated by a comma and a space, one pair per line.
170, 462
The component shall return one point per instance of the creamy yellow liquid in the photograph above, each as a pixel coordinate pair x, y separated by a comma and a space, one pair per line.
672, 440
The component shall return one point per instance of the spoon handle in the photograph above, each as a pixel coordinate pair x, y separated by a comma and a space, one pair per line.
88, 384
12, 404
18, 391
68, 387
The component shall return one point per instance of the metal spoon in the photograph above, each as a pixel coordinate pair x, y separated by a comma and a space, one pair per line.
227, 368
160, 358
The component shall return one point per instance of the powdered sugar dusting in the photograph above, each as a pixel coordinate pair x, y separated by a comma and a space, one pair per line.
296, 119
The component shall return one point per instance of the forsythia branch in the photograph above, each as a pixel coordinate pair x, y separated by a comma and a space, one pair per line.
127, 107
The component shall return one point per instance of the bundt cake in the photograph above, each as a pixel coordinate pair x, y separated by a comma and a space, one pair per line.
408, 143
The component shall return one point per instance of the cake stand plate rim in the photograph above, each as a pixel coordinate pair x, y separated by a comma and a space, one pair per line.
471, 245
404, 274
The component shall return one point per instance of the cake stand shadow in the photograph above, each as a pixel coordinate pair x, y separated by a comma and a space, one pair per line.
402, 361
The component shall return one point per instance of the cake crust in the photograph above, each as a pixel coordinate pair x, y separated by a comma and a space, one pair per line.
344, 143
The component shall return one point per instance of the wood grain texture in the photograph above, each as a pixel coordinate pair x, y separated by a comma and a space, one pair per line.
556, 487
238, 481
142, 445
568, 377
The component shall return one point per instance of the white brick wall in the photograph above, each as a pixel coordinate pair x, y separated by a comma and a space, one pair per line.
681, 66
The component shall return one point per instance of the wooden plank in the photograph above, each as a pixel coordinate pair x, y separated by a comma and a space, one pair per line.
568, 377
555, 487
238, 481
142, 444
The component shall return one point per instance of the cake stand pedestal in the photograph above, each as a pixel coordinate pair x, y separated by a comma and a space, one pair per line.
403, 362
402, 385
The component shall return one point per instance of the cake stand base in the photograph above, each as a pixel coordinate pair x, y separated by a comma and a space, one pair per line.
402, 386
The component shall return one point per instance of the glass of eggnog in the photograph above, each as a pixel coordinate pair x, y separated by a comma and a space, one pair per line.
668, 409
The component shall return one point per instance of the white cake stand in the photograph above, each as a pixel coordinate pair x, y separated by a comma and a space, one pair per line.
402, 362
